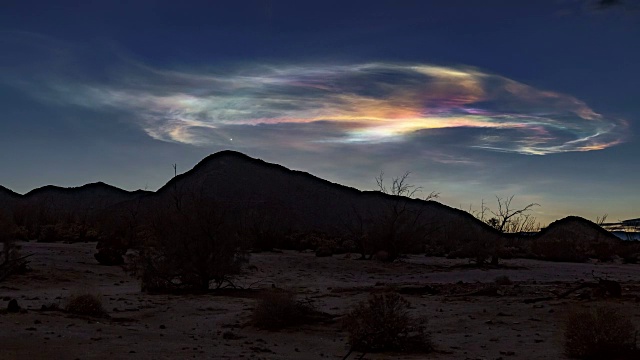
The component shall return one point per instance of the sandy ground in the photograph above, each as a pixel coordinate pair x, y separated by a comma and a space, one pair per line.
146, 326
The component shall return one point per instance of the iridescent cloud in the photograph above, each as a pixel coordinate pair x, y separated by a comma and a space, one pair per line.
356, 104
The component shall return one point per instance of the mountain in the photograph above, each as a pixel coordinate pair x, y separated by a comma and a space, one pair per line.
577, 229
303, 201
8, 199
56, 203
94, 196
239, 185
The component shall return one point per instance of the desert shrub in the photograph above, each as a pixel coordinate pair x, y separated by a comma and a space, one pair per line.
85, 304
602, 332
603, 251
631, 258
559, 250
383, 323
480, 248
629, 251
47, 233
503, 280
263, 230
9, 251
191, 243
277, 309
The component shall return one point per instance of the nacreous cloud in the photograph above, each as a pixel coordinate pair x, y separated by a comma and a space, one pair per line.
319, 105
364, 103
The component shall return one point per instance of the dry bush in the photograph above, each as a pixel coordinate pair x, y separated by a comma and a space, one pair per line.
277, 309
559, 250
191, 243
601, 332
503, 280
85, 304
383, 323
629, 251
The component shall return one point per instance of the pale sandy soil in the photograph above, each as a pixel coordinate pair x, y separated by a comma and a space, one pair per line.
146, 326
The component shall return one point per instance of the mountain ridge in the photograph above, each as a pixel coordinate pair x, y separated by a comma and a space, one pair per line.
230, 176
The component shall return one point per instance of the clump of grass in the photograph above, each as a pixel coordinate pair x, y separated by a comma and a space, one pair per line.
277, 309
85, 304
383, 323
602, 332
503, 280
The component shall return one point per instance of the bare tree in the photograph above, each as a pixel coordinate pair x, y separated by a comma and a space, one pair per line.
601, 220
10, 259
508, 219
402, 226
400, 186
193, 241
356, 227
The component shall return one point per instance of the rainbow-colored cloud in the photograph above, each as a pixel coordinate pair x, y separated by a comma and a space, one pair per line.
354, 104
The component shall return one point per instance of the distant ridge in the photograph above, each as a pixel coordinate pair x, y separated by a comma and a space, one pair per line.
305, 201
97, 186
8, 192
577, 228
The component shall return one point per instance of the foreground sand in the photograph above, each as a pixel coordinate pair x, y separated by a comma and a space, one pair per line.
192, 326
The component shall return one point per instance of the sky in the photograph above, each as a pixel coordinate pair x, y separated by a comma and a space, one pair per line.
477, 99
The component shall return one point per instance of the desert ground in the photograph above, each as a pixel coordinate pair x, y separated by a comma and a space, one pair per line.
217, 325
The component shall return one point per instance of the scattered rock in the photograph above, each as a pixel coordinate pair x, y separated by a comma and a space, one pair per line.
13, 306
324, 252
261, 350
381, 256
228, 335
418, 290
50, 307
109, 256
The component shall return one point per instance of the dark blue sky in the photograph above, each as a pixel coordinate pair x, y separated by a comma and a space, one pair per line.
476, 98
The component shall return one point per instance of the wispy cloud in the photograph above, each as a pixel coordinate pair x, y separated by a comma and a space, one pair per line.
319, 104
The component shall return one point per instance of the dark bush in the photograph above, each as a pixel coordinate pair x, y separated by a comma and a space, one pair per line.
383, 323
190, 244
277, 309
601, 332
503, 280
85, 304
559, 250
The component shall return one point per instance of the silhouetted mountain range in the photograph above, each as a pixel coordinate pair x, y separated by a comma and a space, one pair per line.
575, 227
240, 183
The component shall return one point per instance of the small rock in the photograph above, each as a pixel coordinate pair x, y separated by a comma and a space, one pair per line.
109, 256
324, 252
13, 306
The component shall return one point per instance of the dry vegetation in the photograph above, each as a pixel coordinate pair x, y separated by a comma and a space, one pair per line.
600, 332
277, 309
85, 303
446, 310
383, 323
